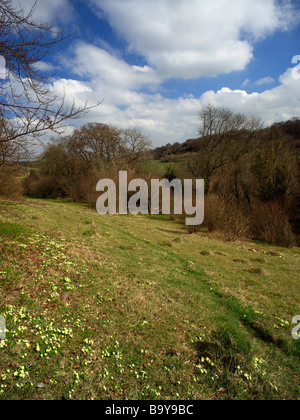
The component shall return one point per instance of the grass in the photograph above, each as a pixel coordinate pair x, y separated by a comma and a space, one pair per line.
160, 167
131, 307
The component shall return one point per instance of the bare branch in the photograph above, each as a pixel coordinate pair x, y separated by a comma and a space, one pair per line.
27, 100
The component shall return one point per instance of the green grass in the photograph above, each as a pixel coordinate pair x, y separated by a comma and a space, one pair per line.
160, 167
11, 230
132, 307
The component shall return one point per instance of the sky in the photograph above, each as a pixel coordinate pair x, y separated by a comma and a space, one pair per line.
155, 63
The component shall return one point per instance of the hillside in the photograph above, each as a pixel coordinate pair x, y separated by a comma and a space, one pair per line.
286, 131
132, 307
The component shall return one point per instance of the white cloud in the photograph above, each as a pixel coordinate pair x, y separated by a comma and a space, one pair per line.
265, 81
169, 120
45, 67
195, 38
48, 11
71, 89
277, 104
178, 39
246, 82
96, 63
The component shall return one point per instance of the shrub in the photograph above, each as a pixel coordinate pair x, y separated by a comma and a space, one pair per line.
170, 173
226, 216
193, 229
236, 223
43, 186
10, 187
87, 186
215, 209
270, 224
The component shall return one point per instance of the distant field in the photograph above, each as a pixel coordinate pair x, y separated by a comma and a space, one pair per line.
132, 307
160, 167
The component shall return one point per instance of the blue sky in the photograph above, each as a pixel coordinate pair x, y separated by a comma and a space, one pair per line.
154, 63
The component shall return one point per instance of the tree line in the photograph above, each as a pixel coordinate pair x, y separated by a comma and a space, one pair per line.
72, 165
252, 176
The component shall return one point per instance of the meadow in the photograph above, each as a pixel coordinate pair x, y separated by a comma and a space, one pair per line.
133, 307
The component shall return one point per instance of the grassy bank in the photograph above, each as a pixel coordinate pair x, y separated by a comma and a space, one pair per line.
131, 307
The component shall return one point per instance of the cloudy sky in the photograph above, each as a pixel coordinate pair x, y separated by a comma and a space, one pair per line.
154, 63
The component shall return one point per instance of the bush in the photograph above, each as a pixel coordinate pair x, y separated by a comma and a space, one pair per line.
215, 209
10, 187
43, 187
193, 229
270, 224
170, 173
226, 216
87, 186
28, 183
236, 224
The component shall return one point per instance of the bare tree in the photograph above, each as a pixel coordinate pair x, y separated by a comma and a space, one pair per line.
224, 138
136, 143
27, 100
10, 152
95, 145
100, 146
